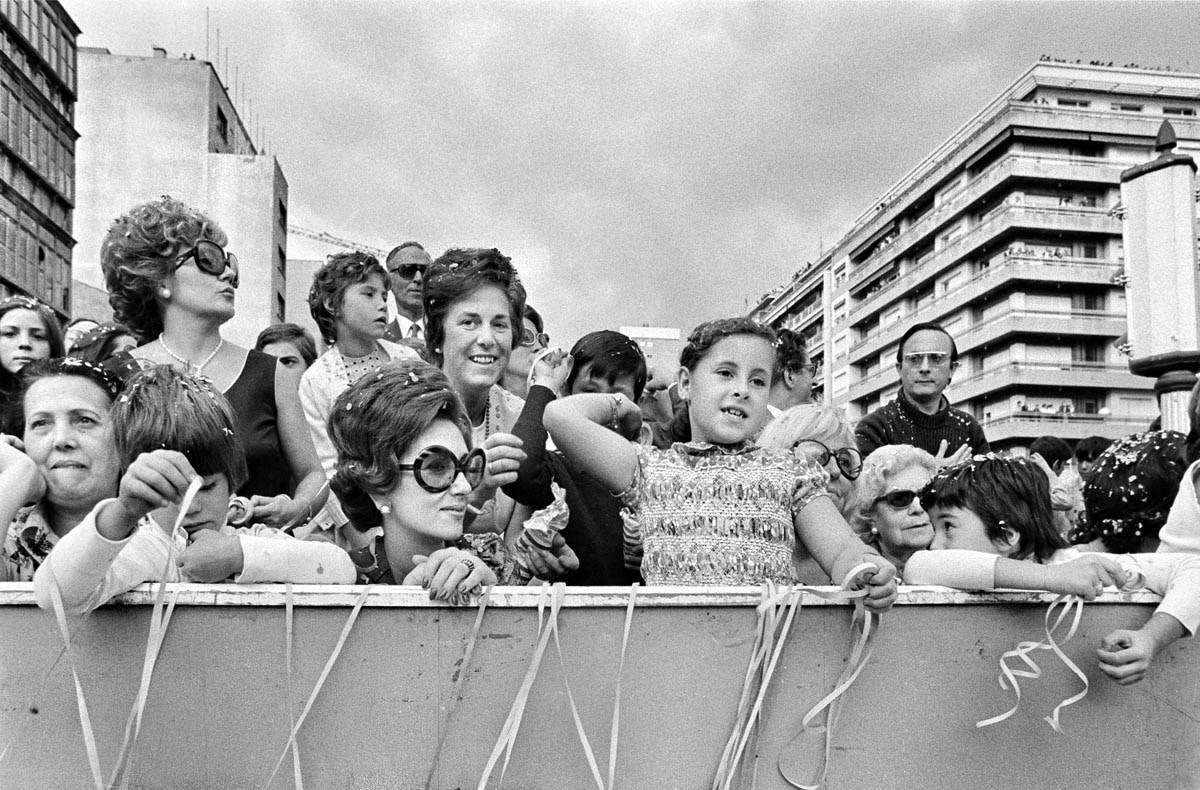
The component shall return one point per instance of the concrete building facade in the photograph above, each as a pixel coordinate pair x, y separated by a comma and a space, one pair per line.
37, 150
159, 125
1007, 236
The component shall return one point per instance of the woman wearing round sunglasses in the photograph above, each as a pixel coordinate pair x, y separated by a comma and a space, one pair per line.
885, 508
405, 463
171, 282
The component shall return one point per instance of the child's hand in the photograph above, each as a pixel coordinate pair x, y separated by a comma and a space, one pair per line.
211, 557
1126, 655
504, 457
551, 369
549, 564
450, 574
1086, 576
155, 479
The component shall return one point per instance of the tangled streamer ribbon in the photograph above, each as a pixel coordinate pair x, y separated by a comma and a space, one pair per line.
1072, 606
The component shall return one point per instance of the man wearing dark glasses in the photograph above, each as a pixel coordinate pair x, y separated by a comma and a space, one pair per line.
406, 265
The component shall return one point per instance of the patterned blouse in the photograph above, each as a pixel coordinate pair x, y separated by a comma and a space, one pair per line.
28, 541
706, 514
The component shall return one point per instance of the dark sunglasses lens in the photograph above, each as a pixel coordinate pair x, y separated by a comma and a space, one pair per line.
435, 469
900, 499
409, 270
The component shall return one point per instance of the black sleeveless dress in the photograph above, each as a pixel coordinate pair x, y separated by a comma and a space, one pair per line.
252, 397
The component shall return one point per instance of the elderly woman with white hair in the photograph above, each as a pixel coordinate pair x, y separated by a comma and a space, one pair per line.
885, 506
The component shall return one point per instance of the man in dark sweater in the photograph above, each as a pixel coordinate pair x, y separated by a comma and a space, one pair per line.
920, 415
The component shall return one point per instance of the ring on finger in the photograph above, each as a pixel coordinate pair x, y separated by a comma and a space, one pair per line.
470, 563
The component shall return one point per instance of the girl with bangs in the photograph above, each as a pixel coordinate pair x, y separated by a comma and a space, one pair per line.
717, 509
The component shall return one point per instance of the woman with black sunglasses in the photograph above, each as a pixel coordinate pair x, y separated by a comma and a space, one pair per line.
171, 282
885, 508
405, 464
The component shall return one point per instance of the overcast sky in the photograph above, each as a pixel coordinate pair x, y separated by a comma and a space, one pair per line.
640, 163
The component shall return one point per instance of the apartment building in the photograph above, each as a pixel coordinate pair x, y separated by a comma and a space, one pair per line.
37, 150
156, 125
1005, 235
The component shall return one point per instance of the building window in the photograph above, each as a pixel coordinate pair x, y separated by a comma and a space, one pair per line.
1188, 111
280, 305
281, 263
1123, 107
1074, 103
1090, 251
222, 126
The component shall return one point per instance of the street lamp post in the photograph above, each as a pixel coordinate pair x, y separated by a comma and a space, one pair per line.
1162, 282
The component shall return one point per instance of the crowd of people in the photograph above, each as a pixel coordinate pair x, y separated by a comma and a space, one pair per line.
455, 447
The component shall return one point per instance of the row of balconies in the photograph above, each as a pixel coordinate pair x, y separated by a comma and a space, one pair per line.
1013, 114
1059, 220
1057, 168
1026, 426
1088, 323
996, 275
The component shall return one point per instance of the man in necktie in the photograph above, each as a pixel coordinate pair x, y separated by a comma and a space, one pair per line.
406, 265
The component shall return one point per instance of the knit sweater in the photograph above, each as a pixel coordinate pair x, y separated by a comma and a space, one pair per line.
900, 422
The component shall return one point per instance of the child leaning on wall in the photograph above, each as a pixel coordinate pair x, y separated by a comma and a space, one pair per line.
171, 428
992, 528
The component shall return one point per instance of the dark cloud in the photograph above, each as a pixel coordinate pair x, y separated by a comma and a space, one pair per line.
653, 164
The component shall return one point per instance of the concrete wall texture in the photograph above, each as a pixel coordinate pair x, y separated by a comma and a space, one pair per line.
149, 126
217, 711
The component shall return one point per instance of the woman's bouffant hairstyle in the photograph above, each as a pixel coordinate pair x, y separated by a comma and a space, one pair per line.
825, 424
138, 254
162, 408
340, 273
97, 345
289, 333
456, 275
67, 366
708, 334
879, 468
1131, 489
372, 424
1005, 493
608, 355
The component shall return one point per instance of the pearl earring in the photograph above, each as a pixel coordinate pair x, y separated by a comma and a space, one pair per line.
874, 530
165, 293
385, 510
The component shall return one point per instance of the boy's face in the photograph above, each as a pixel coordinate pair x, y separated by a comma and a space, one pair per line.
209, 509
956, 528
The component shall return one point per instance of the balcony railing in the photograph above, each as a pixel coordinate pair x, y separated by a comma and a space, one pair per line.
958, 200
1057, 268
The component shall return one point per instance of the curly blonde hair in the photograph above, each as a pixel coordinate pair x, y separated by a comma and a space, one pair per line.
138, 254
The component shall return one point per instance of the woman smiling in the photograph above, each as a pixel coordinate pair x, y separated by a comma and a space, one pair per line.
474, 306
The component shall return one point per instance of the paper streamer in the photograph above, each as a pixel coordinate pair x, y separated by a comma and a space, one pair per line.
1072, 606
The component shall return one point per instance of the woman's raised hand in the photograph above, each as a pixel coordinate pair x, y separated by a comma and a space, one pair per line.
551, 370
